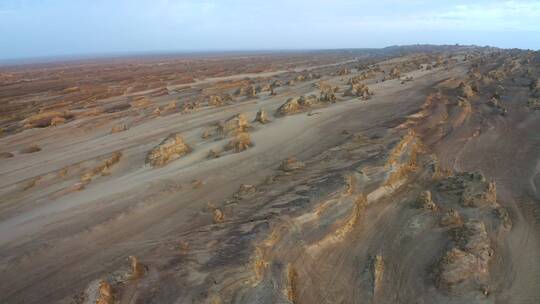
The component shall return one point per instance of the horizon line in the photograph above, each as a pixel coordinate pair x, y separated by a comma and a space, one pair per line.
49, 59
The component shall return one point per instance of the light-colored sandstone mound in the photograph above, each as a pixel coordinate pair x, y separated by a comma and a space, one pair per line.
141, 102
45, 119
119, 128
105, 293
425, 201
291, 164
291, 106
245, 191
327, 95
137, 269
248, 91
469, 259
261, 117
240, 142
171, 148
297, 104
471, 188
343, 72
234, 125
394, 73
218, 100
464, 90
359, 90
103, 168
451, 218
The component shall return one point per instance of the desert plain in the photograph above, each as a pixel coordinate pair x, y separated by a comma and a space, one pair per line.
407, 174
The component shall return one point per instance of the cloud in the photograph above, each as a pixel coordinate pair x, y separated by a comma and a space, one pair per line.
505, 15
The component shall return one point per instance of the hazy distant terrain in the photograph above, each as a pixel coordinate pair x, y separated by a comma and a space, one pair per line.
408, 174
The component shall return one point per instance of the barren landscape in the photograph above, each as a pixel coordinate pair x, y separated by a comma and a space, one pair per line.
405, 174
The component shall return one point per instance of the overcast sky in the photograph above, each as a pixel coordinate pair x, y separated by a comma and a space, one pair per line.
35, 28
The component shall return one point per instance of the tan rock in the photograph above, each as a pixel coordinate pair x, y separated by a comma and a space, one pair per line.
451, 218
465, 90
261, 117
171, 148
240, 142
45, 119
289, 107
425, 201
137, 269
291, 164
234, 125
359, 90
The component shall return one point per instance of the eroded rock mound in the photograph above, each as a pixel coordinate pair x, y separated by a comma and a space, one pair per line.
467, 263
218, 100
105, 293
240, 142
234, 125
296, 105
171, 148
261, 117
424, 201
248, 91
291, 164
45, 119
451, 218
359, 90
464, 90
471, 188
119, 128
328, 94
394, 73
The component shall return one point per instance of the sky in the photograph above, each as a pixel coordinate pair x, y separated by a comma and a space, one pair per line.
42, 28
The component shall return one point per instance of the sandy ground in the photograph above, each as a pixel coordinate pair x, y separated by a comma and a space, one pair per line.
307, 236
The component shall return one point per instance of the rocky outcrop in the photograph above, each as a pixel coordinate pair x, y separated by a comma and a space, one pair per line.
240, 142
234, 125
138, 270
359, 90
103, 168
291, 106
218, 100
245, 191
394, 73
261, 117
328, 94
467, 262
343, 72
424, 201
451, 218
119, 128
296, 105
291, 164
45, 119
471, 189
535, 89
105, 293
215, 100
171, 148
248, 91
464, 90
141, 102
